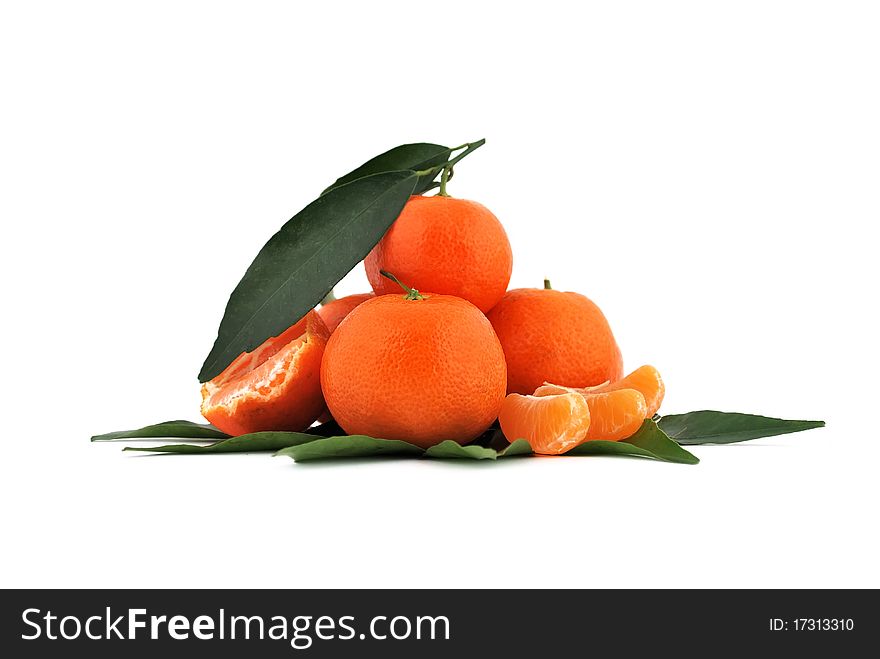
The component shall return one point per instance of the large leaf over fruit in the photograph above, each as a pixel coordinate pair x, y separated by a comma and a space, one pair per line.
415, 157
304, 260
319, 245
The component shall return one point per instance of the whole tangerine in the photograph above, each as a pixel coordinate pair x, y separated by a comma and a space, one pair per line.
447, 246
421, 368
554, 336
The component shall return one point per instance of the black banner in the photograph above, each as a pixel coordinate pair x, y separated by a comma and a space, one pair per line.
432, 623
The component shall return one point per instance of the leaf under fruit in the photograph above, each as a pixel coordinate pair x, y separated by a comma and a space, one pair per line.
711, 427
167, 429
251, 443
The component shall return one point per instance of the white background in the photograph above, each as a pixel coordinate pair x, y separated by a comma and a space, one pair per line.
706, 172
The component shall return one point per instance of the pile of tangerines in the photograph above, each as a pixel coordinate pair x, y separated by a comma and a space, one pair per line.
441, 350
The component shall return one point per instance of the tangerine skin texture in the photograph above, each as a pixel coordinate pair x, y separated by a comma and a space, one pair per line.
447, 246
554, 336
335, 312
282, 392
421, 371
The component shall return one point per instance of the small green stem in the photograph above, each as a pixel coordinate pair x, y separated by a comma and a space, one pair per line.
328, 298
411, 293
444, 178
547, 286
470, 146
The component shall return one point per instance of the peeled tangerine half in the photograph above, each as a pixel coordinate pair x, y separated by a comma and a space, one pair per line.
277, 386
614, 415
645, 380
551, 424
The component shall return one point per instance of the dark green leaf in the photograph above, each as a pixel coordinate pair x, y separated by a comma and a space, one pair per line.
519, 447
651, 438
710, 427
175, 429
453, 450
304, 260
648, 442
250, 443
349, 446
414, 157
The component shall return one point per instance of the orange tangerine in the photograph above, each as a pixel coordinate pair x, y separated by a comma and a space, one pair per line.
554, 336
334, 311
418, 367
551, 424
447, 246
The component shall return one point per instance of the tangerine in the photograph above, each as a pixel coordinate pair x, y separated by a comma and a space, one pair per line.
334, 310
447, 246
421, 368
554, 336
275, 387
551, 424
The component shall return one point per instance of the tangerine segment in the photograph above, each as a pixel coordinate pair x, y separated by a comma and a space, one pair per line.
551, 424
617, 414
645, 379
335, 311
614, 415
275, 387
